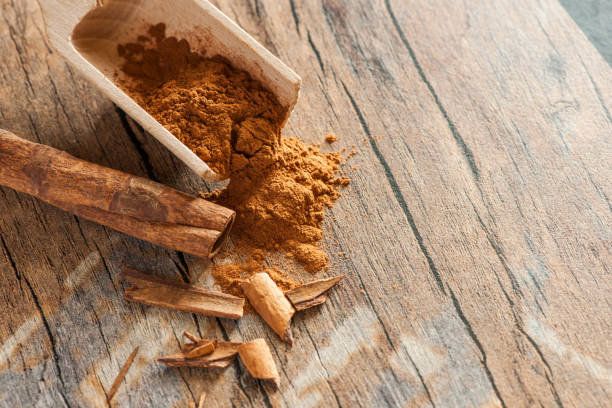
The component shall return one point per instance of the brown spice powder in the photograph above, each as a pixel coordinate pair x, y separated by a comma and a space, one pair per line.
228, 119
331, 138
279, 187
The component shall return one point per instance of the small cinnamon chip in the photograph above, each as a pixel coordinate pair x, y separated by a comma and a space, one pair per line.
201, 400
121, 375
331, 138
223, 355
271, 304
258, 359
313, 293
155, 291
202, 349
196, 342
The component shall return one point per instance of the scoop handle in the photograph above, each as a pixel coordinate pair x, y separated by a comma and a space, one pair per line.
61, 16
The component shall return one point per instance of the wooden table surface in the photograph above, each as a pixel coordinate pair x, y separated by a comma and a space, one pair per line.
478, 223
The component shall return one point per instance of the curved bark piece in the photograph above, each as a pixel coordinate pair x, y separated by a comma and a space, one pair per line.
271, 304
258, 359
312, 293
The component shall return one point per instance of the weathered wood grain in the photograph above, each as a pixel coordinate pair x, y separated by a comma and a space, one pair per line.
478, 223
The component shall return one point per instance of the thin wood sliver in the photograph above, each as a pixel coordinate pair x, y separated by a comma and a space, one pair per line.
121, 375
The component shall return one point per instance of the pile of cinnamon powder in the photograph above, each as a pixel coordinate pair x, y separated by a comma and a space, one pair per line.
279, 187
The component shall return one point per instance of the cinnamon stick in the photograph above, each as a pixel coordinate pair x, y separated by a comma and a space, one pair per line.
271, 304
258, 359
224, 354
312, 293
133, 205
156, 291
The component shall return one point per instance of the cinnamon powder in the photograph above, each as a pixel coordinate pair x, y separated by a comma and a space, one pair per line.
220, 113
279, 187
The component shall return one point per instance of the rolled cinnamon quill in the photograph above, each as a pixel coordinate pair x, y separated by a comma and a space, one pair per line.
271, 304
133, 205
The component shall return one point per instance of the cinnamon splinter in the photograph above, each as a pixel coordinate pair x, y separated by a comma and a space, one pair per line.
258, 359
121, 375
133, 205
313, 293
155, 291
224, 354
271, 304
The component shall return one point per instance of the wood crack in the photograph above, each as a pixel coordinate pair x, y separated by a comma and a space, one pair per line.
396, 192
296, 20
137, 144
330, 24
492, 239
45, 322
467, 152
106, 267
314, 345
61, 104
99, 325
597, 92
421, 379
483, 355
19, 54
316, 51
326, 96
518, 325
598, 189
548, 373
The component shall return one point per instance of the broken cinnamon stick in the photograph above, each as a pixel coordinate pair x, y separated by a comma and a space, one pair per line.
133, 205
258, 359
224, 354
156, 291
271, 304
121, 375
312, 293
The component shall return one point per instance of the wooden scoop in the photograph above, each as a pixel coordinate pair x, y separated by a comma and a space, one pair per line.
87, 32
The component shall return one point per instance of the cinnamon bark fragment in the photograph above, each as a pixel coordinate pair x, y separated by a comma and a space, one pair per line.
133, 205
224, 354
271, 304
312, 293
201, 349
169, 294
258, 359
194, 342
121, 375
